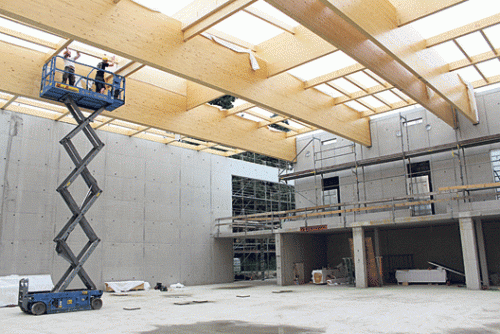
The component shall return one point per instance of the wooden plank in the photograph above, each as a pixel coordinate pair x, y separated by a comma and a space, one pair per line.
393, 54
270, 19
238, 109
148, 105
157, 42
9, 102
464, 30
472, 186
198, 95
410, 10
214, 16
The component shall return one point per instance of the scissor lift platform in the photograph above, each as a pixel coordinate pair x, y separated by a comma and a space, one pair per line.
60, 299
53, 89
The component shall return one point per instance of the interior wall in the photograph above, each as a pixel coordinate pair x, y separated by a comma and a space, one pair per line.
155, 217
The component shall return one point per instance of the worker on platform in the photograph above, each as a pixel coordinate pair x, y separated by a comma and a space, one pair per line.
100, 86
69, 67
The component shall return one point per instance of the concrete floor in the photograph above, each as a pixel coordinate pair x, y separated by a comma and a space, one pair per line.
305, 309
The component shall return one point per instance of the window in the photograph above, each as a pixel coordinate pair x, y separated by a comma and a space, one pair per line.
331, 190
419, 182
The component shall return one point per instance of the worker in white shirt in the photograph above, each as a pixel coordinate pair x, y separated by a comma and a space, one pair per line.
69, 67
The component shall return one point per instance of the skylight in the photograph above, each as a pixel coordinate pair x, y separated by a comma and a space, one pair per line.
456, 16
474, 44
29, 31
248, 28
323, 65
23, 43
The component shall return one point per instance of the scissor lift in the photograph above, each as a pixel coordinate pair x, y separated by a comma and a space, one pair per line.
60, 299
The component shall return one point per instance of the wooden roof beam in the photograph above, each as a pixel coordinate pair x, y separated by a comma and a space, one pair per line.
464, 30
9, 102
157, 42
151, 106
409, 11
238, 109
209, 14
369, 34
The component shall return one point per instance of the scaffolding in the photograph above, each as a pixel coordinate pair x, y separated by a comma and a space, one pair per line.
257, 256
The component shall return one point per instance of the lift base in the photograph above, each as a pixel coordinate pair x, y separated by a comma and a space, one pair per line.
42, 302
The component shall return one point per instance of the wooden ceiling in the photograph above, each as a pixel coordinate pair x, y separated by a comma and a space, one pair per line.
173, 71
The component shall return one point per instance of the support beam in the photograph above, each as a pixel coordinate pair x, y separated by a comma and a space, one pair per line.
464, 30
211, 16
151, 106
157, 42
410, 10
369, 35
360, 268
240, 108
470, 254
8, 103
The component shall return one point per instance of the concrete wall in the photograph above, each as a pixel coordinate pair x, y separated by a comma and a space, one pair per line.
388, 180
155, 217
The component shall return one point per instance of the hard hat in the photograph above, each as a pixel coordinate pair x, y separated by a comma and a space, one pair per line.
105, 58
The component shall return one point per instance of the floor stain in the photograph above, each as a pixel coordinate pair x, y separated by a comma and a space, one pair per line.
230, 327
231, 287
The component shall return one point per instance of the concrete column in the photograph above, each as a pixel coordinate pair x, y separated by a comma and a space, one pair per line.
278, 238
482, 253
470, 254
358, 238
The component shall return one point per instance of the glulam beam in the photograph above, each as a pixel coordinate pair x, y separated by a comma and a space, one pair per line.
152, 106
153, 39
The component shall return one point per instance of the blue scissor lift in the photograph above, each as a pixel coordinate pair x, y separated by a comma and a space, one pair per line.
74, 97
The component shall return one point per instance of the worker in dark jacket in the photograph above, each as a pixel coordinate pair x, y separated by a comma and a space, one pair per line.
100, 87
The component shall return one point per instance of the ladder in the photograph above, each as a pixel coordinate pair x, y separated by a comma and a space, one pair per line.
62, 248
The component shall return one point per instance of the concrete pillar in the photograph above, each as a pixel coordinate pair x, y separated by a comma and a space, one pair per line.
470, 254
482, 253
278, 238
358, 238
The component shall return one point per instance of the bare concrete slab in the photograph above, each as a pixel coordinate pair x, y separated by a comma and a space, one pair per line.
307, 309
